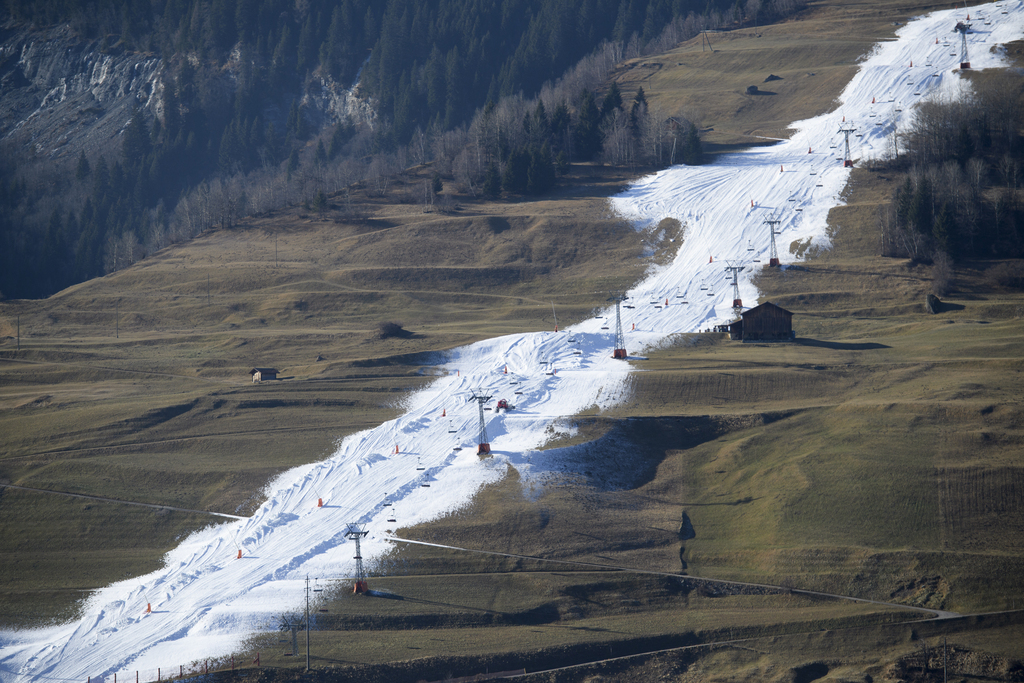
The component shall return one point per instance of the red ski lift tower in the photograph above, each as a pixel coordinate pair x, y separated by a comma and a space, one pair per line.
737, 303
962, 27
355, 532
620, 339
846, 129
483, 444
772, 221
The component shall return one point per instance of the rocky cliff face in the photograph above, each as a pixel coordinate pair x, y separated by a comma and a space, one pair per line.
328, 102
61, 94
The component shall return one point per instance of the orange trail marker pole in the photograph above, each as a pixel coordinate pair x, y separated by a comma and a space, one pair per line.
444, 412
149, 608
319, 502
239, 554
781, 169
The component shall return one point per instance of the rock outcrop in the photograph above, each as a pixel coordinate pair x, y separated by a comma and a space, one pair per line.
62, 94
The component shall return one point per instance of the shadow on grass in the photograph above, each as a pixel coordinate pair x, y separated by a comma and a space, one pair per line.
738, 501
840, 346
945, 307
438, 603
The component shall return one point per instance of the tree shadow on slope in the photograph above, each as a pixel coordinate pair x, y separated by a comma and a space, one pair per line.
840, 346
628, 455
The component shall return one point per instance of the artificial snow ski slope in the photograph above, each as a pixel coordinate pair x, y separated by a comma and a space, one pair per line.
206, 600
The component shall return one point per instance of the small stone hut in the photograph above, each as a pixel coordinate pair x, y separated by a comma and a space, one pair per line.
766, 322
260, 374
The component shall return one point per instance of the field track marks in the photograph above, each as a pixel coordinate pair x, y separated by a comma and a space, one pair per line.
134, 372
937, 614
179, 439
435, 292
122, 502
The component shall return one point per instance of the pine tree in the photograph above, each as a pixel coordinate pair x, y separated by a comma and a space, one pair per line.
612, 100
636, 111
921, 208
540, 177
516, 178
320, 202
136, 144
945, 230
492, 182
904, 201
693, 152
292, 126
587, 132
82, 169
540, 126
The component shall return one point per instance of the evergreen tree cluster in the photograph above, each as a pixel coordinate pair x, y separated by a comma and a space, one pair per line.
427, 62
429, 66
964, 163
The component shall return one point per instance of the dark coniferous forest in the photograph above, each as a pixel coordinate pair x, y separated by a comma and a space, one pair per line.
441, 76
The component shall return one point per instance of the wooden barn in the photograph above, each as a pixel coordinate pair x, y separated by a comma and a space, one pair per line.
260, 374
766, 322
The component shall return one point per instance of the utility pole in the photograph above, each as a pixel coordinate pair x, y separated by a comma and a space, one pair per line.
735, 269
773, 255
619, 350
483, 443
962, 27
355, 532
846, 129
307, 622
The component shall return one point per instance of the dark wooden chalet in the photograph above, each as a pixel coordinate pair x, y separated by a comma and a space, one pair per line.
260, 374
766, 322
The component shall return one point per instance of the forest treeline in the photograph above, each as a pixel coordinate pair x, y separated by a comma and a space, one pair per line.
962, 161
446, 79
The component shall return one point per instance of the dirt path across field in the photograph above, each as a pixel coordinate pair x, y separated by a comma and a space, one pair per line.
123, 502
937, 614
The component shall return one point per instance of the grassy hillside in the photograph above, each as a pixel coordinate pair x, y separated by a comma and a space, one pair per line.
814, 54
877, 456
136, 386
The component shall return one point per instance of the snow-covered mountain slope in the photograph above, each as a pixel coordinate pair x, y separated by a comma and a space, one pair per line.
206, 599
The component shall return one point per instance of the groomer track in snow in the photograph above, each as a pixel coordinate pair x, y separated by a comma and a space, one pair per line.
226, 582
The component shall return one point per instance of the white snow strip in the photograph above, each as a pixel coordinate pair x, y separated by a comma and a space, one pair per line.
205, 601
